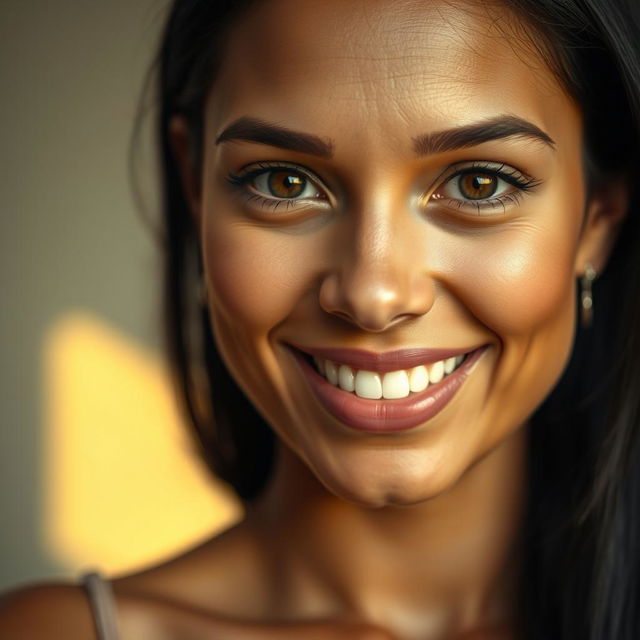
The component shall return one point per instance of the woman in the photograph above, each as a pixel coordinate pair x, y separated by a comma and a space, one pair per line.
381, 217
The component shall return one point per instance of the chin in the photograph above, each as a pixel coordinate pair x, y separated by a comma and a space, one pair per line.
401, 486
387, 496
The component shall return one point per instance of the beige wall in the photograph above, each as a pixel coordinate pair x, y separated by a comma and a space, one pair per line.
71, 237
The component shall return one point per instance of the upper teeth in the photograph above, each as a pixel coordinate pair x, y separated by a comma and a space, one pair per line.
390, 385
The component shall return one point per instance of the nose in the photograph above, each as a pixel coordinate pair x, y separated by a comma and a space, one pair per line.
379, 280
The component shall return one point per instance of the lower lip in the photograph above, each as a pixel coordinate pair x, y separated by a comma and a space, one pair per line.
380, 416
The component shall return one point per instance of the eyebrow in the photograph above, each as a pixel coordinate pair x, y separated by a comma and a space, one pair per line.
506, 126
255, 130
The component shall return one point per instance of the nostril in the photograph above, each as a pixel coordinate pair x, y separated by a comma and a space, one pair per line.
374, 300
343, 315
403, 316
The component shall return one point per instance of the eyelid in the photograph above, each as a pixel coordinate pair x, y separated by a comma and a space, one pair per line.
249, 172
520, 180
501, 169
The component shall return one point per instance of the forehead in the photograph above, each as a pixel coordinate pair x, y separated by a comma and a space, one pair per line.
386, 65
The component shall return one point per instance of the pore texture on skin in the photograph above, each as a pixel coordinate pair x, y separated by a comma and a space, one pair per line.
380, 250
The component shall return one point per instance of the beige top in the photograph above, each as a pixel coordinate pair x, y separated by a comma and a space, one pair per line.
102, 604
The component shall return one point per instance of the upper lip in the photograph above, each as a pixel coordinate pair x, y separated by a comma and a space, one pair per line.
383, 362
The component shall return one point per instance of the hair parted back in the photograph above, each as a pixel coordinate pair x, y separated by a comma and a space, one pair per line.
582, 569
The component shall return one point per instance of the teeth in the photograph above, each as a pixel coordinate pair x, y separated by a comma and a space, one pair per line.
368, 385
331, 371
390, 385
449, 365
436, 372
395, 384
346, 378
418, 378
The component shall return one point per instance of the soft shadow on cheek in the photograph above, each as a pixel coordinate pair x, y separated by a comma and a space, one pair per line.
520, 281
254, 275
521, 289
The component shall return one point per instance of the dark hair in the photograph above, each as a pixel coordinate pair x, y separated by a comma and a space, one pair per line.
582, 566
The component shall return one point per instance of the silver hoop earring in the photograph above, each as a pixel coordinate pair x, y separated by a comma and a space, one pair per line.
586, 295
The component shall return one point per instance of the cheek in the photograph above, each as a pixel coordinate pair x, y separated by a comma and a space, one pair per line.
520, 285
255, 275
520, 279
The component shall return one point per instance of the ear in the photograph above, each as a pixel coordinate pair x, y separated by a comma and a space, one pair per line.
182, 147
605, 212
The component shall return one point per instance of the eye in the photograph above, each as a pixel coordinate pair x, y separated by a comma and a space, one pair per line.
484, 186
477, 186
270, 185
474, 185
284, 183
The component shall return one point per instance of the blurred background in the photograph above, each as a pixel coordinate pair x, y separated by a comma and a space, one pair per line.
96, 469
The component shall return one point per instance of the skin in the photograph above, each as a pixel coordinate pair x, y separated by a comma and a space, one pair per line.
413, 534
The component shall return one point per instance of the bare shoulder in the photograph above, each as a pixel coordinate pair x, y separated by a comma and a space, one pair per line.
52, 611
187, 591
221, 574
46, 611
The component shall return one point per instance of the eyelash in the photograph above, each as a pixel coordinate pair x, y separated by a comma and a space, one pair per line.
518, 179
521, 181
244, 179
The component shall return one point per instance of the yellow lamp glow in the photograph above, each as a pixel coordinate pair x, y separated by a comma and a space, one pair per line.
122, 487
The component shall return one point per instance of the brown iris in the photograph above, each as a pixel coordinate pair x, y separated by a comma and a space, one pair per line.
477, 186
286, 184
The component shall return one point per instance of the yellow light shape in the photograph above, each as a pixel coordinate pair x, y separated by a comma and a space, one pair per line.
122, 486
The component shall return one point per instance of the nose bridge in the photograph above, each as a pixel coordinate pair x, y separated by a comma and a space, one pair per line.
379, 276
376, 265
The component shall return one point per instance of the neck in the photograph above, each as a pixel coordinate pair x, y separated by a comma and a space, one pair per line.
452, 561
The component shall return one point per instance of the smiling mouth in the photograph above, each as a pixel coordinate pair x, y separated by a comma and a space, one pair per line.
391, 385
370, 391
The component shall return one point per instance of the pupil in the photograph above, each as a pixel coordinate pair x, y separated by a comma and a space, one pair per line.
284, 184
477, 186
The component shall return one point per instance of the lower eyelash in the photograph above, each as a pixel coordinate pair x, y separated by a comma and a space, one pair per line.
266, 203
240, 182
522, 182
513, 198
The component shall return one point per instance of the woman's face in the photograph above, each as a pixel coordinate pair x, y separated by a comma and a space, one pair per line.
382, 179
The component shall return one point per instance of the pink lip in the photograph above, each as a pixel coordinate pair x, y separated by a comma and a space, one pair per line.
379, 416
383, 362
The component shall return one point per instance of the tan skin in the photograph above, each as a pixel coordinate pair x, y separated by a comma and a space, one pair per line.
414, 534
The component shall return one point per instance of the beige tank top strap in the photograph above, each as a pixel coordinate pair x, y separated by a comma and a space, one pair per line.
102, 604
